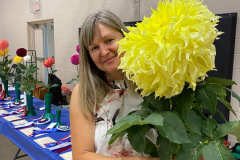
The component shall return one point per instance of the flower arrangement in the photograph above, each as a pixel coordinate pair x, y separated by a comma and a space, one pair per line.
4, 64
27, 81
168, 56
48, 63
75, 61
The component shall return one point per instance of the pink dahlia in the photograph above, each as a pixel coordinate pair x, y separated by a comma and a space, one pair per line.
21, 52
77, 48
75, 59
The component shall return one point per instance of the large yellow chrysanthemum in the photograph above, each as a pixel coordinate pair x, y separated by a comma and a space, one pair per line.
172, 47
17, 59
4, 52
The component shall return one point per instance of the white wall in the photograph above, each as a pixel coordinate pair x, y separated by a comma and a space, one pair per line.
69, 15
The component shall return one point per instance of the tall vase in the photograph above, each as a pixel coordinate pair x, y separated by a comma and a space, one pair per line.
58, 114
5, 83
48, 102
30, 107
17, 91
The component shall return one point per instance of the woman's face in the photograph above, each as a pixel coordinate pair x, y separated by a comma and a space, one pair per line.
103, 50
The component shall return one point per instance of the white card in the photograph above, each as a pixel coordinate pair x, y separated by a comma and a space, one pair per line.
67, 155
50, 126
11, 118
3, 112
42, 108
19, 122
44, 140
29, 131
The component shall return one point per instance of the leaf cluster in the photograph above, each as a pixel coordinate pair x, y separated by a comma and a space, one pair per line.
183, 127
73, 80
4, 67
27, 82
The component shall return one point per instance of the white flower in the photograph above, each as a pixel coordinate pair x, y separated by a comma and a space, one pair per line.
27, 58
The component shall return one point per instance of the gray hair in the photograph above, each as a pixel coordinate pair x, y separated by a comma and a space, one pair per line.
93, 83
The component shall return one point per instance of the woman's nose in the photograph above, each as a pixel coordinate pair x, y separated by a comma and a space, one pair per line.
104, 50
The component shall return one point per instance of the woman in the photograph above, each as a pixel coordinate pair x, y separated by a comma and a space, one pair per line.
102, 97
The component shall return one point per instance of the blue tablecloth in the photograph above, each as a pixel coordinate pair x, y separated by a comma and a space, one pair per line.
27, 144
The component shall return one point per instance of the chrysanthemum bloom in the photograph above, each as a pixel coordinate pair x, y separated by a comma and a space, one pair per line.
172, 47
77, 48
21, 52
75, 59
49, 62
17, 59
26, 58
4, 52
4, 45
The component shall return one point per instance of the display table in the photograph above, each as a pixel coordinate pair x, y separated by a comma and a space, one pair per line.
28, 144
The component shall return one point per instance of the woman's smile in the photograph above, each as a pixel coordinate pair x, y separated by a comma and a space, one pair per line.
109, 60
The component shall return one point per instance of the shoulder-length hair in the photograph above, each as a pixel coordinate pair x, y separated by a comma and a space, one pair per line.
93, 83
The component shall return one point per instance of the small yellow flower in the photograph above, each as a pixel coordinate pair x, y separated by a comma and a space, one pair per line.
4, 52
17, 59
170, 48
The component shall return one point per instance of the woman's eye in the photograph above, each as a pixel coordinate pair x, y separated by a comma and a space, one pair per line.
94, 48
109, 40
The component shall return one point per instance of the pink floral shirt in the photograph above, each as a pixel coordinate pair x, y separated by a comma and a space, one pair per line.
117, 104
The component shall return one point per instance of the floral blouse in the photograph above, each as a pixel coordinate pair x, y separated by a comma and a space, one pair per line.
117, 104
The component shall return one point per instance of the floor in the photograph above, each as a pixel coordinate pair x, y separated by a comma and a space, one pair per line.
9, 149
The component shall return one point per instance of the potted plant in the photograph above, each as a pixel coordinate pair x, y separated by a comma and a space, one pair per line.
168, 56
48, 63
17, 60
4, 67
27, 82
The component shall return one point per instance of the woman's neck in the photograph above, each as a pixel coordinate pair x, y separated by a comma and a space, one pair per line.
115, 76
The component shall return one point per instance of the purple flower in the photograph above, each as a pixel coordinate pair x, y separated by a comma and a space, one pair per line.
75, 59
77, 48
21, 52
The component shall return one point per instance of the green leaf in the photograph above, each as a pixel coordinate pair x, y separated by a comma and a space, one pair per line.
235, 95
228, 105
115, 136
151, 148
156, 104
182, 103
40, 83
23, 87
219, 90
209, 126
194, 122
136, 137
32, 86
125, 123
193, 150
216, 151
173, 128
54, 85
220, 81
166, 148
70, 82
143, 112
207, 98
21, 66
155, 119
219, 113
232, 127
